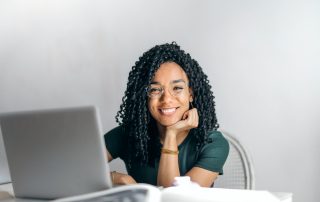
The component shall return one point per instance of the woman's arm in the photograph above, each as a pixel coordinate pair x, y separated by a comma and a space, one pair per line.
169, 163
114, 141
203, 177
119, 178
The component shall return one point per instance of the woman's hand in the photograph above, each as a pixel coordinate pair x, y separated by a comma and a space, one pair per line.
190, 119
122, 179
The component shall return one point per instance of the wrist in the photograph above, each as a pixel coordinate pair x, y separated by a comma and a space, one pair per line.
170, 142
170, 136
169, 151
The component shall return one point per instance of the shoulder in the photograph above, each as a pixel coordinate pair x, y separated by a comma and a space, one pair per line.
117, 131
216, 137
116, 141
217, 144
214, 153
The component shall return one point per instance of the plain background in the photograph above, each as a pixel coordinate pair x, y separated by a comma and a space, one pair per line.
262, 59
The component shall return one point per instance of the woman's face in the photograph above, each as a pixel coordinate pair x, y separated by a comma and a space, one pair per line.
169, 94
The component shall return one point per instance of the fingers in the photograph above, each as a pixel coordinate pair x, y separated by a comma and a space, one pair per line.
191, 117
189, 120
194, 118
185, 116
122, 179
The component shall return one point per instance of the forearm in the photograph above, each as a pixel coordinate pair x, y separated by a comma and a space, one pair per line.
169, 163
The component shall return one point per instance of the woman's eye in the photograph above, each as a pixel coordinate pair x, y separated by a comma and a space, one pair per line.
177, 88
155, 90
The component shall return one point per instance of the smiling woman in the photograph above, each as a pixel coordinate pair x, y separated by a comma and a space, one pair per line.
167, 122
169, 95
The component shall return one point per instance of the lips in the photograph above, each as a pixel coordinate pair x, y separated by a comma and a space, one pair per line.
168, 111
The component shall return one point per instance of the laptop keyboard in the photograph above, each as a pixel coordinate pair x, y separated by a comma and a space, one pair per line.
137, 195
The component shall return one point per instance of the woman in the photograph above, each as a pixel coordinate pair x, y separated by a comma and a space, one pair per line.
167, 122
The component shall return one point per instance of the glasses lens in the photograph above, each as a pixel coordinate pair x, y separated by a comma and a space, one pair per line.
154, 90
177, 88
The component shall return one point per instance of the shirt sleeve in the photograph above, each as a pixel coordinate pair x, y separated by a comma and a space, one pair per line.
214, 154
115, 141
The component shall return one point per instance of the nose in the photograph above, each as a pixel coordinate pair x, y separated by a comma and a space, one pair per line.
166, 96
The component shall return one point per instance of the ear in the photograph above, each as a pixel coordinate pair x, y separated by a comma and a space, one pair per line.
191, 95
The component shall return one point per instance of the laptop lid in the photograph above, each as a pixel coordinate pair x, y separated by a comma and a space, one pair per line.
55, 153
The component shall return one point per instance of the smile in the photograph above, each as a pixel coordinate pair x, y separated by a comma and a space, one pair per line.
168, 111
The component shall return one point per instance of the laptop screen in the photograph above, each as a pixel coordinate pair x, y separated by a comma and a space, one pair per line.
55, 153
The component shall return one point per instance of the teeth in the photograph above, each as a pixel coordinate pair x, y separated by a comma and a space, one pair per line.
168, 111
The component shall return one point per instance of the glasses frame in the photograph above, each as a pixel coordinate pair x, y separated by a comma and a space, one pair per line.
163, 89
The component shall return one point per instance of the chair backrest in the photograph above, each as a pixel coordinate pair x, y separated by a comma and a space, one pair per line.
4, 168
238, 170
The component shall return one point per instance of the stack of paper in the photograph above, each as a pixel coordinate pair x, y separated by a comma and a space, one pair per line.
192, 194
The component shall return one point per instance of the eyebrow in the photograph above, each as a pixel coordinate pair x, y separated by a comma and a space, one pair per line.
174, 81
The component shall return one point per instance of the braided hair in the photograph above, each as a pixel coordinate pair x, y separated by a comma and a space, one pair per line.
134, 115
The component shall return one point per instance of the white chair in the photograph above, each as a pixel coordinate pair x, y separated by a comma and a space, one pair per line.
238, 171
4, 168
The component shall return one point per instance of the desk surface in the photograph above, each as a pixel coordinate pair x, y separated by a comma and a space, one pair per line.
6, 194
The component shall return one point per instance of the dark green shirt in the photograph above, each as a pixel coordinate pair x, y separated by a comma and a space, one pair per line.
211, 156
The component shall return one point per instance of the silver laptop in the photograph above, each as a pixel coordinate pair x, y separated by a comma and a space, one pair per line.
55, 153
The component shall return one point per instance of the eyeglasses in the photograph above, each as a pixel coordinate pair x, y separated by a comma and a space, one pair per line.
176, 88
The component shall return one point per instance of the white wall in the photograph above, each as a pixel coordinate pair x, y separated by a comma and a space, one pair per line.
262, 58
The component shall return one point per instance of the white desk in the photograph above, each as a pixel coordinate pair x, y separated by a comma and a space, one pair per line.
191, 194
175, 194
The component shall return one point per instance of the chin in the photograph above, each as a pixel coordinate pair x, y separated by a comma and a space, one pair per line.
167, 123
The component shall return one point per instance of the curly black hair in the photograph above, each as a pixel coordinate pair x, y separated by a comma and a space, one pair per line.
134, 115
